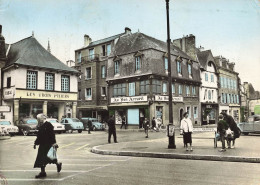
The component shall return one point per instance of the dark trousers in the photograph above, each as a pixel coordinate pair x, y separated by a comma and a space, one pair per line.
123, 124
110, 132
223, 140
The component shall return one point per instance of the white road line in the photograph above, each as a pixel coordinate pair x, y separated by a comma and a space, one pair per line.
66, 145
36, 170
91, 160
45, 179
82, 147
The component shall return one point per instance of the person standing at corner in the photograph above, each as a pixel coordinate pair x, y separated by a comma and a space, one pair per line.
112, 129
146, 126
45, 139
187, 127
123, 122
89, 126
222, 127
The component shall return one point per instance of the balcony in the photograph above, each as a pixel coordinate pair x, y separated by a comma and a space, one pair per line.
90, 58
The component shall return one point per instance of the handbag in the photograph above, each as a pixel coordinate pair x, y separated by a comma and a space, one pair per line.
181, 132
52, 153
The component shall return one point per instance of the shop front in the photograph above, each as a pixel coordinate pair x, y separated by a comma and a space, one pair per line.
209, 113
99, 112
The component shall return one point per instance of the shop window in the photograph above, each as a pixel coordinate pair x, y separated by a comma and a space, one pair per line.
31, 80
144, 87
88, 73
88, 94
103, 71
133, 116
8, 82
156, 86
65, 83
131, 89
119, 90
49, 81
103, 91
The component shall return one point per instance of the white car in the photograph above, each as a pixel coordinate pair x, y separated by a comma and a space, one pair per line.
58, 127
8, 127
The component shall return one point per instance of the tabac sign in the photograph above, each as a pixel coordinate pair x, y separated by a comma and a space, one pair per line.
166, 98
129, 99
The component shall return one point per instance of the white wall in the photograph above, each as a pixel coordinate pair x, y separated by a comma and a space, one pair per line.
214, 97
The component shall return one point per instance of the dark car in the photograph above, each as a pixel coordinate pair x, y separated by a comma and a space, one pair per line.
252, 126
96, 125
28, 126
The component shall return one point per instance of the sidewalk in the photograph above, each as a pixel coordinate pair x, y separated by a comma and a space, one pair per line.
247, 148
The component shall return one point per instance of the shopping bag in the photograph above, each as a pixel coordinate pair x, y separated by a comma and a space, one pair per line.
52, 153
217, 137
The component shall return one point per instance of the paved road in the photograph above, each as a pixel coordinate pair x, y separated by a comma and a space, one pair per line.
80, 166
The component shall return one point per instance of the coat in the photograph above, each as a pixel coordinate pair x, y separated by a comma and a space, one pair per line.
186, 125
232, 124
111, 124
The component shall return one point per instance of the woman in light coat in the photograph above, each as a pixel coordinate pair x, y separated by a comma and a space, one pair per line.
187, 127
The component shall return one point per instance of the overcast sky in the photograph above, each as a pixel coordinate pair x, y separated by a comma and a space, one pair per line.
230, 28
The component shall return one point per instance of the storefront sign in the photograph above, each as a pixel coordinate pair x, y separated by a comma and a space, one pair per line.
5, 108
166, 98
129, 99
8, 93
44, 95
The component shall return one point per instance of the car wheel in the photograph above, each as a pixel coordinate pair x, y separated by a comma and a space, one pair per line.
79, 131
94, 128
245, 133
25, 132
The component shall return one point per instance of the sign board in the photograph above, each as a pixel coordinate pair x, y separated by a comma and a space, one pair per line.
166, 98
170, 130
5, 108
9, 93
129, 99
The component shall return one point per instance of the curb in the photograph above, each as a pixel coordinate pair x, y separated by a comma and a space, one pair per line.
177, 156
5, 137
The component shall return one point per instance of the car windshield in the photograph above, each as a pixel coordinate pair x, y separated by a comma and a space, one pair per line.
32, 121
75, 120
53, 121
5, 123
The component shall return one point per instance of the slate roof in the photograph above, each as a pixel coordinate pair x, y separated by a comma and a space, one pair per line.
29, 52
203, 58
138, 41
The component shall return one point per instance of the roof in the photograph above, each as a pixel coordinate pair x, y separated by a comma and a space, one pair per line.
204, 57
29, 52
108, 39
138, 41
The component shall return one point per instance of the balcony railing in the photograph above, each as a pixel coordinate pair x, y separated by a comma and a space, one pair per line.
90, 58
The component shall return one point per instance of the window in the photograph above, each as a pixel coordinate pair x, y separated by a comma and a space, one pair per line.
104, 50
164, 88
103, 71
209, 94
117, 69
205, 94
31, 80
180, 89
79, 57
8, 82
137, 63
228, 83
221, 82
228, 98
144, 87
88, 94
187, 90
188, 111
103, 91
237, 99
91, 54
166, 64
189, 70
119, 90
193, 89
156, 86
131, 89
173, 88
235, 84
222, 98
195, 112
108, 49
206, 77
212, 78
65, 83
231, 98
49, 81
88, 73
179, 67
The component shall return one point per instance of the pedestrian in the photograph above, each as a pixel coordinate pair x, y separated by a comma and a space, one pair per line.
221, 129
153, 124
208, 119
146, 126
45, 139
112, 129
233, 127
187, 127
89, 126
123, 122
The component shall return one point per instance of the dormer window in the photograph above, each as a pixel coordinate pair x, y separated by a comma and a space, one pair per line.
91, 54
179, 71
138, 63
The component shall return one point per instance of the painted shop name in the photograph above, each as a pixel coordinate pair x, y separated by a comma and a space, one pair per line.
46, 95
129, 99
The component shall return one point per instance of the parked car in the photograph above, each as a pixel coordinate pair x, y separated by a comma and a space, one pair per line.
28, 126
58, 127
72, 124
251, 126
96, 125
8, 127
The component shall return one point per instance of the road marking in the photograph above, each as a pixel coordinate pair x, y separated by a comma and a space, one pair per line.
82, 147
66, 145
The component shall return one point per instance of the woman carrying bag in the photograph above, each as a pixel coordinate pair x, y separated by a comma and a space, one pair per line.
47, 142
187, 129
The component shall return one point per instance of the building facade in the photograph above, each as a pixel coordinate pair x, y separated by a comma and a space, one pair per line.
137, 77
229, 90
34, 81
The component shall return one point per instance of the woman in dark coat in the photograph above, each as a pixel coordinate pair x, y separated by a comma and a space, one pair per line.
45, 139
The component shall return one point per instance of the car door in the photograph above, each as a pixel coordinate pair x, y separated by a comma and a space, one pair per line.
249, 126
257, 124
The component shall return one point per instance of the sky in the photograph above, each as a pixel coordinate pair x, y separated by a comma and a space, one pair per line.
230, 28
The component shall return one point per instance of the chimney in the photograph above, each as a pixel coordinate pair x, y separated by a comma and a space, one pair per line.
127, 30
201, 48
87, 40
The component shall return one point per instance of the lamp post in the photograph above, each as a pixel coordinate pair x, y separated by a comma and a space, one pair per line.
170, 126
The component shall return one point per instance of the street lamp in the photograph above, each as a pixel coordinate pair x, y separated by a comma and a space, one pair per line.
170, 126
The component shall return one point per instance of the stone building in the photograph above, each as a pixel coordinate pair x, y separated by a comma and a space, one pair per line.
137, 77
91, 60
35, 81
229, 88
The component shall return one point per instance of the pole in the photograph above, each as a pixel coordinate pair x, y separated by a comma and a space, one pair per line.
171, 136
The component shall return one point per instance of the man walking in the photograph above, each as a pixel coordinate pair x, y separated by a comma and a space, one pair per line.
89, 126
111, 129
123, 122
